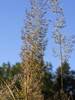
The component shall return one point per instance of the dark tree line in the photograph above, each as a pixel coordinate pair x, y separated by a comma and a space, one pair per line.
51, 79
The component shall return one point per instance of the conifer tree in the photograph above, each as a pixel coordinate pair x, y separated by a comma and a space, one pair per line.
34, 43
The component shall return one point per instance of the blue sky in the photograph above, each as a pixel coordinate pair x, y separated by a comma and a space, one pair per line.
12, 14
